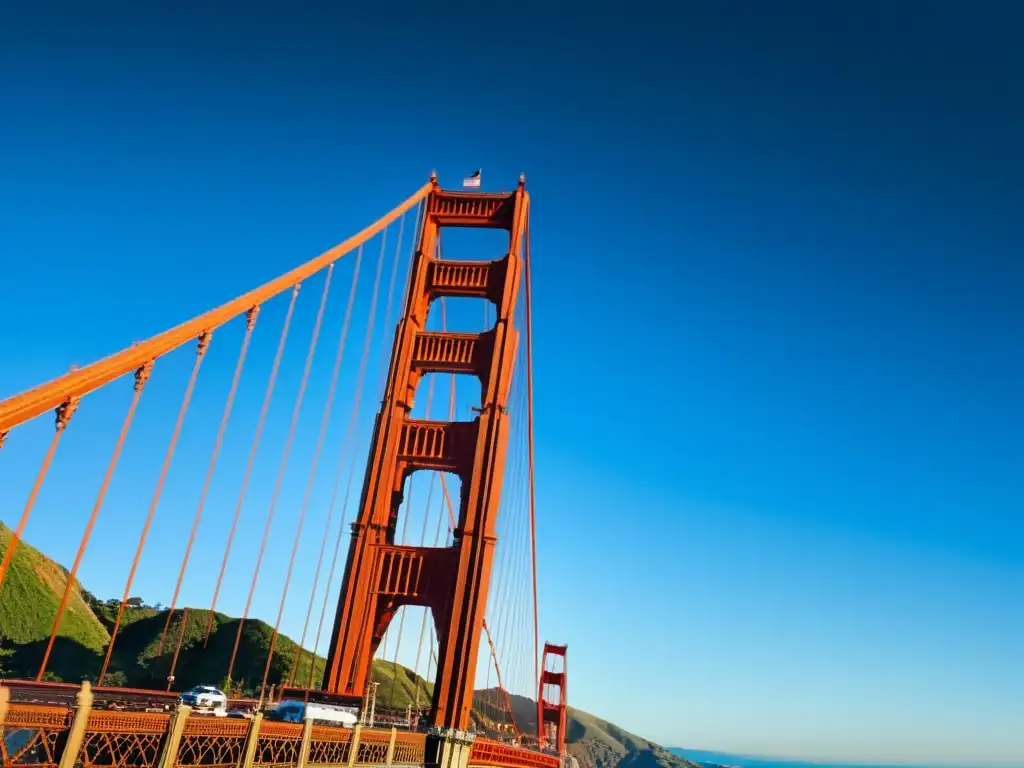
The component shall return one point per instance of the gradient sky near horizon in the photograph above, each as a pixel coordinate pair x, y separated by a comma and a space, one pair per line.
779, 301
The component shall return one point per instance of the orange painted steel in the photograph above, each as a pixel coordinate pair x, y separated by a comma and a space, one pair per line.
141, 377
250, 323
486, 752
529, 437
135, 740
410, 749
452, 581
339, 356
45, 728
177, 646
280, 477
440, 516
509, 601
548, 712
452, 523
348, 451
64, 413
277, 744
128, 722
203, 345
423, 537
268, 393
64, 393
37, 716
501, 685
212, 742
384, 362
21, 408
329, 745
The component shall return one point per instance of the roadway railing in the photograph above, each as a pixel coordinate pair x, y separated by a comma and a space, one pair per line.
486, 753
62, 736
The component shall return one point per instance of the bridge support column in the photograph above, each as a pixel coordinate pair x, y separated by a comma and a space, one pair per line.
169, 753
307, 736
251, 741
76, 734
353, 745
389, 761
448, 748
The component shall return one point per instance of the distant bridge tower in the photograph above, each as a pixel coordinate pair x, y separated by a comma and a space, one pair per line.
551, 715
453, 582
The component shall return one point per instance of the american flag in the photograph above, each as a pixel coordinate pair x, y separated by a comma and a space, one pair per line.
473, 180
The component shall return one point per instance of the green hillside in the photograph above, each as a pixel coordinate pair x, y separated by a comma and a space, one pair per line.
31, 593
596, 743
397, 688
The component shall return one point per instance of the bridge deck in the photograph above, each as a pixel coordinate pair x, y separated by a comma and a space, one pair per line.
37, 735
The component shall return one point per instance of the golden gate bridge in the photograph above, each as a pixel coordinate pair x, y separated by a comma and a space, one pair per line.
473, 582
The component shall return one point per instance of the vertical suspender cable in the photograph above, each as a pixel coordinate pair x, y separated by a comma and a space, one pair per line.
529, 437
338, 358
63, 416
252, 456
141, 377
280, 477
348, 444
250, 323
204, 342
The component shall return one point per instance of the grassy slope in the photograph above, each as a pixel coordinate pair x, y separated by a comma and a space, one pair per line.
31, 593
398, 685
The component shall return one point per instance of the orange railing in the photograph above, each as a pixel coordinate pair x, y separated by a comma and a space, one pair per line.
35, 736
493, 753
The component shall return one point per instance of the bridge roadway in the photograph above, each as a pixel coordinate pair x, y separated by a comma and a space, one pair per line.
142, 700
36, 692
59, 734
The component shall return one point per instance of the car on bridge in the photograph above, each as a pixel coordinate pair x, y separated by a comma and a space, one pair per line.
299, 711
205, 697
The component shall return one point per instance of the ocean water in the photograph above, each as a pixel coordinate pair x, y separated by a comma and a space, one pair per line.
724, 758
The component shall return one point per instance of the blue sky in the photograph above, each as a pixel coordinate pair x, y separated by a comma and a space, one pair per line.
778, 286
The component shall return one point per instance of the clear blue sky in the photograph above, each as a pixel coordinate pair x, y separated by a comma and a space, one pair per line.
779, 250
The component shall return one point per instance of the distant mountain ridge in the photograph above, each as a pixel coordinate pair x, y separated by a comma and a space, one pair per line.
32, 591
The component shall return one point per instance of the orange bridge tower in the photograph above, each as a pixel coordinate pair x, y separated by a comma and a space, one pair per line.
381, 576
551, 715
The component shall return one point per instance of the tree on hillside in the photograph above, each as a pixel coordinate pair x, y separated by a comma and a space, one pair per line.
5, 653
115, 679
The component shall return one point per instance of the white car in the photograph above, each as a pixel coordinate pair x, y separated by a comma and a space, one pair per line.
205, 697
293, 711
